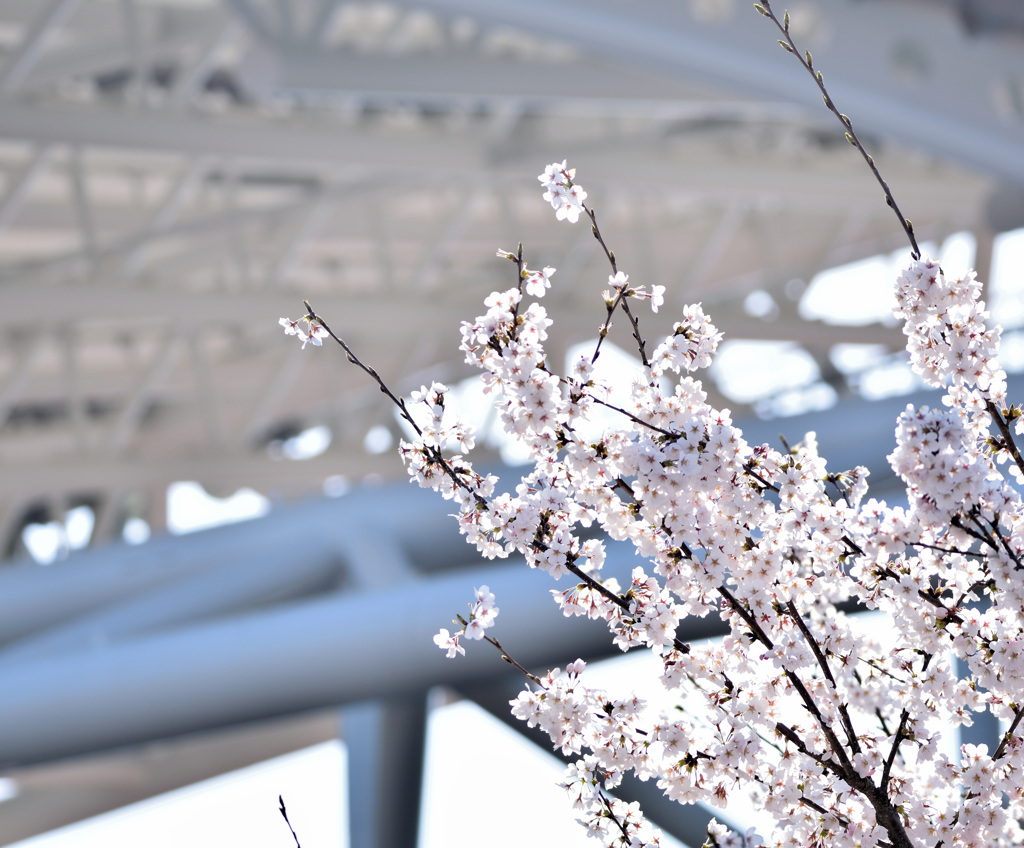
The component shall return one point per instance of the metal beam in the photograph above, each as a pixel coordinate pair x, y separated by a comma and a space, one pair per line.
66, 303
323, 209
169, 211
15, 196
231, 585
31, 354
83, 206
468, 79
20, 65
142, 394
244, 136
34, 600
436, 155
940, 112
190, 78
385, 740
285, 660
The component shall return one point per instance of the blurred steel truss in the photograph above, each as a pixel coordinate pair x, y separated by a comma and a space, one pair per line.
177, 174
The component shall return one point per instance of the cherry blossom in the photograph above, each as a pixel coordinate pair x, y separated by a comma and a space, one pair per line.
449, 643
538, 282
565, 196
306, 329
835, 732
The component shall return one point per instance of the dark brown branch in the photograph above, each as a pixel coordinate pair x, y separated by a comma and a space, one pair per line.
765, 8
1010, 731
284, 812
1004, 431
812, 643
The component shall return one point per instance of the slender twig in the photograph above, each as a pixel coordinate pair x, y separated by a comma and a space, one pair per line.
1010, 731
434, 452
1004, 431
641, 345
822, 660
765, 8
602, 331
635, 419
596, 230
397, 401
901, 735
284, 812
620, 298
943, 550
512, 662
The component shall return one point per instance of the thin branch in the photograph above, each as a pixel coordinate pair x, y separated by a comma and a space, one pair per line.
619, 299
512, 662
284, 812
1004, 431
435, 454
765, 8
1010, 731
812, 643
640, 343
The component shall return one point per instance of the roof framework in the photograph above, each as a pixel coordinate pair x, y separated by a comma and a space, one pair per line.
177, 174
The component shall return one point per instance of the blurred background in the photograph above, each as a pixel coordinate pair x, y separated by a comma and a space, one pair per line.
176, 175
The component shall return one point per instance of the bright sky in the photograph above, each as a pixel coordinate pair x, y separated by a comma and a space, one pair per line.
464, 791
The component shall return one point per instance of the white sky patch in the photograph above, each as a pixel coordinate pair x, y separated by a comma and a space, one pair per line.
1006, 288
337, 485
463, 799
856, 294
378, 439
307, 444
45, 542
1011, 351
854, 358
239, 808
614, 367
49, 542
136, 531
863, 292
191, 508
8, 789
750, 370
798, 401
760, 304
888, 380
958, 252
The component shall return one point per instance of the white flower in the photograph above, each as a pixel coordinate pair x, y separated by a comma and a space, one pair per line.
449, 643
313, 333
291, 328
619, 280
657, 297
565, 197
305, 328
538, 282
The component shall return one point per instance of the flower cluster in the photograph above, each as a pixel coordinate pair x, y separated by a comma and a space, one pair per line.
837, 733
482, 613
619, 281
948, 337
565, 196
693, 342
305, 328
